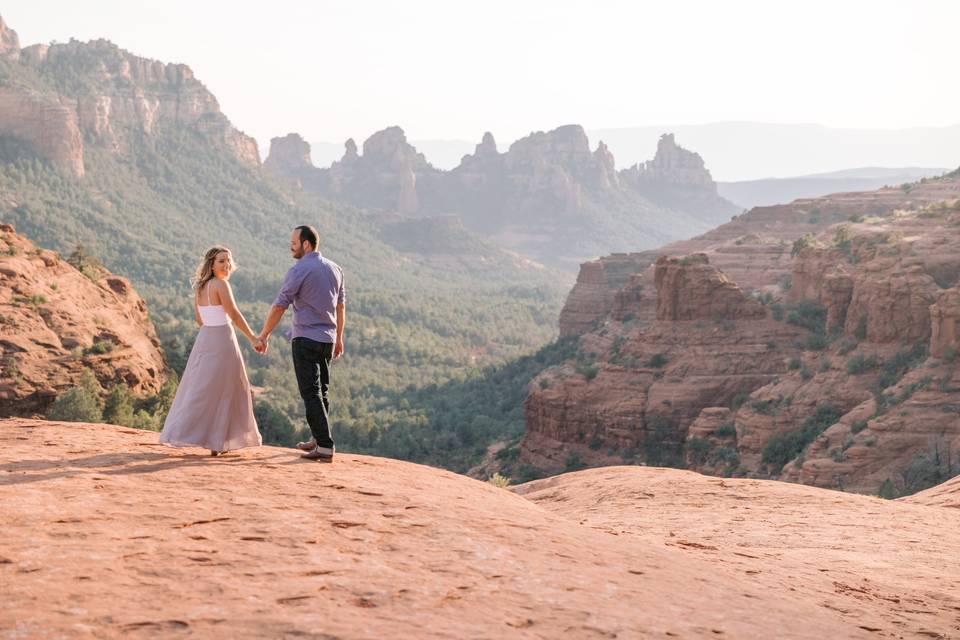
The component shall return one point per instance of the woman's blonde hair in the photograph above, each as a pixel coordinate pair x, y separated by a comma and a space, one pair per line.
204, 272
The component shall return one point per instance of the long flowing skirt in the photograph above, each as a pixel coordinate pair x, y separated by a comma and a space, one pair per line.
213, 407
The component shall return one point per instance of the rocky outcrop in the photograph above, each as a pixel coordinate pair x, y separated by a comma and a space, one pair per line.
108, 93
895, 300
9, 42
816, 369
289, 155
384, 178
945, 324
710, 445
672, 165
598, 285
678, 179
130, 92
48, 127
549, 196
691, 289
696, 341
58, 323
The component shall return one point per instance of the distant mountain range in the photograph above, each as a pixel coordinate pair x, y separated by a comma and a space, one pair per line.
749, 150
739, 151
770, 191
549, 196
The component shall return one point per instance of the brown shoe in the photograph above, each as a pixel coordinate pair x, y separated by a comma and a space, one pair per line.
309, 445
320, 454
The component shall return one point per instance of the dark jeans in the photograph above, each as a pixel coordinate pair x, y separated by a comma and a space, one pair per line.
311, 361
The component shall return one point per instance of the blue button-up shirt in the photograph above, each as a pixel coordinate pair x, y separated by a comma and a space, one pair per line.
314, 286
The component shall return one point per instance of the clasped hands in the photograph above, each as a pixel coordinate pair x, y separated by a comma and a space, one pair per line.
259, 344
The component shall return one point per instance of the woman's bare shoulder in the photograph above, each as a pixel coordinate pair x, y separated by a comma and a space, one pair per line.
221, 289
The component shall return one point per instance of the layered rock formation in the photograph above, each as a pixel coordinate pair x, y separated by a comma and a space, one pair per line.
599, 283
945, 323
9, 42
289, 156
678, 179
145, 541
384, 177
855, 290
691, 289
694, 341
107, 93
49, 127
753, 250
548, 196
57, 323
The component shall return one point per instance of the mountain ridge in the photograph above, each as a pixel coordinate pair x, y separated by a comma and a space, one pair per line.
548, 196
777, 345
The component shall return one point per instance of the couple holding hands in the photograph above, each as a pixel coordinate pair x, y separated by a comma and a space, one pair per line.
213, 407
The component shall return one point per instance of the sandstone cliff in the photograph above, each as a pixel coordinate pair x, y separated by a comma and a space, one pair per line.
119, 534
50, 128
678, 179
819, 376
695, 340
9, 41
548, 196
57, 323
754, 249
55, 94
289, 156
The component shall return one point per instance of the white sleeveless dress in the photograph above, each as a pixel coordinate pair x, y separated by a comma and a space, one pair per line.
213, 407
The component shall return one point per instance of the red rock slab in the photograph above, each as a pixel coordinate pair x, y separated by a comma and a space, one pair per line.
943, 495
107, 534
888, 568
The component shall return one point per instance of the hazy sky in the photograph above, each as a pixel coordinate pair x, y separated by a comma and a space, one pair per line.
446, 69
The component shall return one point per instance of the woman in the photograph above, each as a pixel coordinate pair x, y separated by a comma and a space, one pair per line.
213, 407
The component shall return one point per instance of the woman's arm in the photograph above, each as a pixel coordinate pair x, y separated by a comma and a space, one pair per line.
196, 308
225, 293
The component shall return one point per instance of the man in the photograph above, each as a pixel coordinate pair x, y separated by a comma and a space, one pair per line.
314, 285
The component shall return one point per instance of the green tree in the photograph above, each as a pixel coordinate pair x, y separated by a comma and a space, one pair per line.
80, 403
118, 408
275, 427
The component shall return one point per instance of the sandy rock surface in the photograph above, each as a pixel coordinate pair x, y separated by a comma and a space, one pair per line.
107, 534
886, 567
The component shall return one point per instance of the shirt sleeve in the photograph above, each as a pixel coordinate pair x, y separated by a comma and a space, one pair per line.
342, 298
291, 285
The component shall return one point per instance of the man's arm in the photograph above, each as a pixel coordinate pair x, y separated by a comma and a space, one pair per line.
288, 291
341, 318
273, 319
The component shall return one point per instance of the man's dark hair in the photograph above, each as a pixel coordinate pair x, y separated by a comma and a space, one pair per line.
309, 234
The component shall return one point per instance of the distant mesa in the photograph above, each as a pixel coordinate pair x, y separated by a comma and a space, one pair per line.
288, 155
487, 146
104, 94
548, 196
